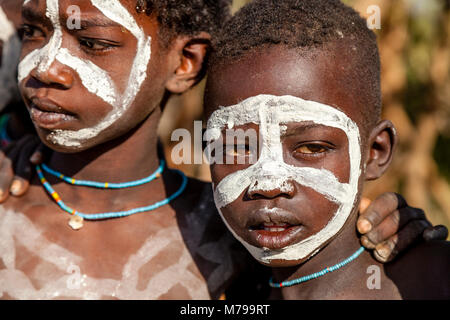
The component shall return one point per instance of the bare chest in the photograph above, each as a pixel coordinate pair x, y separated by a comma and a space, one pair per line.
35, 264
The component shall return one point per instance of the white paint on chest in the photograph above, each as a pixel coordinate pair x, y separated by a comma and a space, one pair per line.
54, 276
271, 172
93, 78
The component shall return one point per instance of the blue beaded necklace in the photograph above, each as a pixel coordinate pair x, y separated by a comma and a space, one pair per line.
317, 274
106, 185
76, 222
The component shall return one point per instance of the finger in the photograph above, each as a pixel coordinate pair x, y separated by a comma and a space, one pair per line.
393, 223
367, 243
439, 232
378, 210
24, 170
40, 154
364, 204
363, 224
410, 234
6, 169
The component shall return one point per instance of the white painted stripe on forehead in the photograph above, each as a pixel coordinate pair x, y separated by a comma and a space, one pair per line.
115, 11
287, 110
55, 42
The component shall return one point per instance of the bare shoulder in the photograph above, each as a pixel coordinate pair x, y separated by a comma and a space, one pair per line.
422, 271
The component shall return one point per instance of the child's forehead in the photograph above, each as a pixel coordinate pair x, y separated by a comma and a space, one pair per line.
278, 110
278, 71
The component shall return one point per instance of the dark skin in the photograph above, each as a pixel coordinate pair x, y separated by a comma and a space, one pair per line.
127, 151
180, 67
17, 170
314, 75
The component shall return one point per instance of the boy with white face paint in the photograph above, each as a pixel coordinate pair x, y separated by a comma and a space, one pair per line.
95, 96
313, 95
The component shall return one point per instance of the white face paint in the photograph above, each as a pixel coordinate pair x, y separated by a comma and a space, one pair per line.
10, 58
271, 172
96, 80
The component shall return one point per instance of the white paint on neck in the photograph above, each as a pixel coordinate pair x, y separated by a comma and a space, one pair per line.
93, 78
10, 58
271, 172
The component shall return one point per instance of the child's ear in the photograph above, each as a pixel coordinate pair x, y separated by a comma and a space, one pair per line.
188, 55
382, 143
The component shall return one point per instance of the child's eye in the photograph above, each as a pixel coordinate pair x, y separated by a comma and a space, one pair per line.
96, 45
238, 150
29, 32
311, 148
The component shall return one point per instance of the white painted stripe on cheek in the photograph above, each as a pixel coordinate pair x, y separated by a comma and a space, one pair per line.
321, 180
95, 79
116, 12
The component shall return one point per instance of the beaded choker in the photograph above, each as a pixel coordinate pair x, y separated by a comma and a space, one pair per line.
106, 185
76, 221
317, 274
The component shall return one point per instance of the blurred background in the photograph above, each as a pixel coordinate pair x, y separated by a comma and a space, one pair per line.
414, 42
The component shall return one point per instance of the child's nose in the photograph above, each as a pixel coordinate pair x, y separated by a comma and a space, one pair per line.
270, 189
56, 74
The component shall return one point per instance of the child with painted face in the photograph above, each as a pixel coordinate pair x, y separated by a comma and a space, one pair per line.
305, 76
95, 75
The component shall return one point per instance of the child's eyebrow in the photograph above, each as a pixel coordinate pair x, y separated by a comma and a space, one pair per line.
96, 21
299, 128
34, 16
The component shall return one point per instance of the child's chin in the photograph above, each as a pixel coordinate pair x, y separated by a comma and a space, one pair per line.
280, 263
47, 139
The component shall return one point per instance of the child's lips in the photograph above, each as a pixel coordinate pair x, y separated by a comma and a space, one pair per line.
49, 120
276, 237
282, 230
47, 115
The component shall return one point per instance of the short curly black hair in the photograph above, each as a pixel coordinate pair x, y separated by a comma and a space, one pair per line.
187, 17
307, 24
